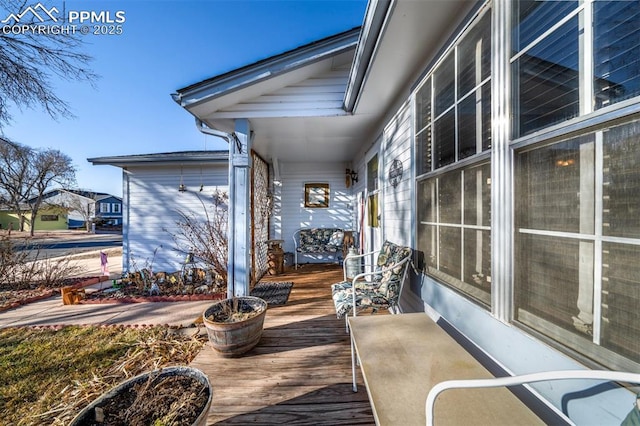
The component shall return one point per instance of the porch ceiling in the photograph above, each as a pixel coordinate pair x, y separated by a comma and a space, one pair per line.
318, 139
409, 36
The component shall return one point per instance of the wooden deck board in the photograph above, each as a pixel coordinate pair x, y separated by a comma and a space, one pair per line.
300, 372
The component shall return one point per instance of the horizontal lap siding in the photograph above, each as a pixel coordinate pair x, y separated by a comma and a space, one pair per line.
290, 213
155, 203
398, 216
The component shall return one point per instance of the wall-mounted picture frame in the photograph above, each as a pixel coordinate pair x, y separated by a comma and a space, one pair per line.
316, 195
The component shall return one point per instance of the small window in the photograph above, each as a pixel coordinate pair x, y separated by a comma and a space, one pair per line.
104, 208
316, 195
49, 218
116, 208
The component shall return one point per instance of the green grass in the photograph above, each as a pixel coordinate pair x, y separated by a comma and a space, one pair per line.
48, 376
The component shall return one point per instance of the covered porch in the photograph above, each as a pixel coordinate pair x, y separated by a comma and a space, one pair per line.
418, 102
315, 115
300, 371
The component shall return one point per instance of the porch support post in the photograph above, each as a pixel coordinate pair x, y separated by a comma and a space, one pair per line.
501, 166
239, 210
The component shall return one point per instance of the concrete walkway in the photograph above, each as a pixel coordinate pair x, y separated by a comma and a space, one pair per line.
51, 312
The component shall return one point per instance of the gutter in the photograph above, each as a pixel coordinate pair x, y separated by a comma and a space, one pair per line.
374, 21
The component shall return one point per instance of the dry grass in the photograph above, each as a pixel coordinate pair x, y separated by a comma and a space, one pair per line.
48, 376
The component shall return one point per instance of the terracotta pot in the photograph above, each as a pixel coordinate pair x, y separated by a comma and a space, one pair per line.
233, 338
88, 415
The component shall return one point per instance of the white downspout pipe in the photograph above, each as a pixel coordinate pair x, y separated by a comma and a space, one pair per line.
231, 224
212, 132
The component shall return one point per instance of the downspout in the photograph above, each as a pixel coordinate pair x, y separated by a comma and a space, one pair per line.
212, 132
231, 224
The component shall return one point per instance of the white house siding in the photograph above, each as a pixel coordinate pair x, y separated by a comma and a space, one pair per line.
290, 213
152, 209
398, 220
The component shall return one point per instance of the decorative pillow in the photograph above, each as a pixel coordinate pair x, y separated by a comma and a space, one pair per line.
336, 238
390, 280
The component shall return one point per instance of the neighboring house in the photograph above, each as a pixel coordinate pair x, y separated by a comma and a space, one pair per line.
9, 218
49, 218
156, 189
69, 209
81, 207
108, 211
498, 139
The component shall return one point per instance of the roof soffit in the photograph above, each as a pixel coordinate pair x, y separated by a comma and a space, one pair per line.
321, 78
252, 75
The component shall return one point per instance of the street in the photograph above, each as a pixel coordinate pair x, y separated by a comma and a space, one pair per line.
65, 243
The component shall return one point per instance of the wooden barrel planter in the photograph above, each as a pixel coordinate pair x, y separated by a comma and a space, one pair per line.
234, 326
149, 397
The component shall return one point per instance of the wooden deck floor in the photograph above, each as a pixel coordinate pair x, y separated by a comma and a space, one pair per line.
300, 372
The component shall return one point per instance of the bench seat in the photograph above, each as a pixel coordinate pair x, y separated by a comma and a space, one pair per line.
317, 241
403, 356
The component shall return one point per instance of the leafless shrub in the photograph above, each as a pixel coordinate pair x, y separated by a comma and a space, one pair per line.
204, 235
25, 268
52, 272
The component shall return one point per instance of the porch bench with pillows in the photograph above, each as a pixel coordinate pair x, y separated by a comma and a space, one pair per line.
318, 241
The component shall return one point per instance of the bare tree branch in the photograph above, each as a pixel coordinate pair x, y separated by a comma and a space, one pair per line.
30, 61
26, 174
204, 234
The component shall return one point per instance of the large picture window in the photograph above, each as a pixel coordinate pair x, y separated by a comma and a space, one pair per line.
578, 241
454, 207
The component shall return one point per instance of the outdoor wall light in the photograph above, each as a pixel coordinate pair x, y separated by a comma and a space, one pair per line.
353, 175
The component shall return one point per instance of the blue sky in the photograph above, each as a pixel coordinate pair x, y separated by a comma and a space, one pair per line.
166, 45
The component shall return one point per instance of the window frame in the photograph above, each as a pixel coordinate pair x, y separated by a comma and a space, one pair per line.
590, 120
506, 143
557, 336
460, 165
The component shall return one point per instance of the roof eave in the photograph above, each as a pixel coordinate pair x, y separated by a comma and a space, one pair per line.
375, 17
189, 157
266, 69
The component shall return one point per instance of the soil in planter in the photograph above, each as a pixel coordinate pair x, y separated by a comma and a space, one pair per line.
168, 400
235, 310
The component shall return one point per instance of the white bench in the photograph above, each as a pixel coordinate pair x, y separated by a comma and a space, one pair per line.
403, 356
408, 361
